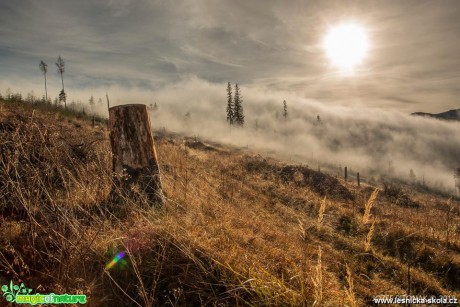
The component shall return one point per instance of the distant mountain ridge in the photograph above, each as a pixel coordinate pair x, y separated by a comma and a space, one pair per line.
448, 115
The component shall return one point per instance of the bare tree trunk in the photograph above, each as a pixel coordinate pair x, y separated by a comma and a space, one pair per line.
65, 100
46, 90
134, 151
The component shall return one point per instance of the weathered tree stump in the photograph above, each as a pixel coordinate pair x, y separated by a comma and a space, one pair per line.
134, 153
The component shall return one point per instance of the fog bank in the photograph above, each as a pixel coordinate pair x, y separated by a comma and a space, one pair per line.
365, 139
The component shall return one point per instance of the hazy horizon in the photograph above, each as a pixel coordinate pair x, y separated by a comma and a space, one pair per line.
142, 47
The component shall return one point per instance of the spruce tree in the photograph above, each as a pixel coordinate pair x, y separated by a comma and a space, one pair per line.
230, 106
63, 97
238, 107
457, 180
92, 103
285, 114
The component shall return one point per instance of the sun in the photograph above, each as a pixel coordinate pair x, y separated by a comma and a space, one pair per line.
346, 45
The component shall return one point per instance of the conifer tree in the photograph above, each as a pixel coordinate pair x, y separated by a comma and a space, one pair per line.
238, 107
285, 114
457, 179
230, 106
63, 97
92, 103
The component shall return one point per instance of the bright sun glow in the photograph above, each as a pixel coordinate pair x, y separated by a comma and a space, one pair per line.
346, 45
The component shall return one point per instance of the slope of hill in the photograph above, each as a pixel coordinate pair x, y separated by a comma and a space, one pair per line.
237, 228
448, 115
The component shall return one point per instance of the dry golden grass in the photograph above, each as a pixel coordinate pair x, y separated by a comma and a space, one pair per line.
349, 290
367, 241
229, 233
322, 209
368, 206
317, 280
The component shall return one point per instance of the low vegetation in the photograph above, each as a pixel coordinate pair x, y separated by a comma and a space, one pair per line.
237, 228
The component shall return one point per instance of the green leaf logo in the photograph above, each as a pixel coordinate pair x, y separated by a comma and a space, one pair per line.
10, 298
10, 292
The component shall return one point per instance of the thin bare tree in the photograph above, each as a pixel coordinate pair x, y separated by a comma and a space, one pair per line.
44, 68
61, 68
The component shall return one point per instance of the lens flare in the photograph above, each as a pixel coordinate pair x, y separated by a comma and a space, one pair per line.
115, 260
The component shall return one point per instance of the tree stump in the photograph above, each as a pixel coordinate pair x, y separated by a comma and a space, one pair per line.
134, 153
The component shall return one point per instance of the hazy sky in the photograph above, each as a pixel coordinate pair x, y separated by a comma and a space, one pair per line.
140, 45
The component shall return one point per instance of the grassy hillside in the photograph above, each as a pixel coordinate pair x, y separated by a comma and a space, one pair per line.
237, 228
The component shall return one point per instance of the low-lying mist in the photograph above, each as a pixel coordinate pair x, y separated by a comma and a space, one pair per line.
366, 140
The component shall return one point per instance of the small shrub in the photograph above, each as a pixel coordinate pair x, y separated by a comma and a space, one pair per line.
395, 194
347, 225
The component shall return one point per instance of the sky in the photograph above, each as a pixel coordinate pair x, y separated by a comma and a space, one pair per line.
181, 54
141, 48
